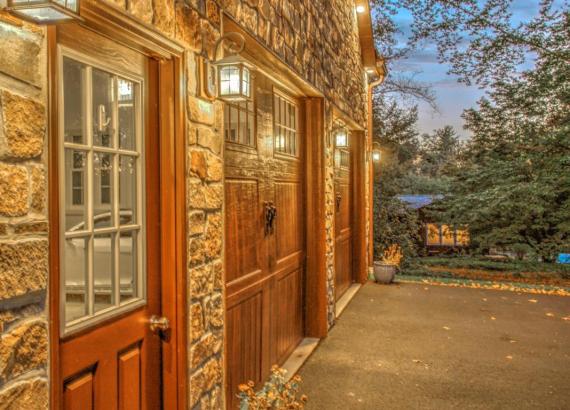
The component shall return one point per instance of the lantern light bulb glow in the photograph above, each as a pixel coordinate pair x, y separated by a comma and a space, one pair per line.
360, 9
342, 139
376, 156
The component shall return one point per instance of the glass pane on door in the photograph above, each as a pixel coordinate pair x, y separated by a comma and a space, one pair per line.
101, 192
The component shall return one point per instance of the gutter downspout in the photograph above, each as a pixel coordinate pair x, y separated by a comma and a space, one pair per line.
371, 87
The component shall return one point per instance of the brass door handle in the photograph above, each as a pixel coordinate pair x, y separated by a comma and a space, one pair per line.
159, 324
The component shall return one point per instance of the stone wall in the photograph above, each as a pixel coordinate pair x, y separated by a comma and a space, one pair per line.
317, 38
23, 217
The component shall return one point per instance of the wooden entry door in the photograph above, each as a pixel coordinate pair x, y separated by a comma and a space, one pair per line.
343, 221
110, 225
265, 248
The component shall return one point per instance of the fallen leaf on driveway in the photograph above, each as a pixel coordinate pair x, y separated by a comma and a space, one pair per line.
550, 314
446, 328
533, 301
484, 299
493, 318
509, 357
512, 341
566, 318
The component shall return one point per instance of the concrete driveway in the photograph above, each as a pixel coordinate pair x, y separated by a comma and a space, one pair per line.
415, 346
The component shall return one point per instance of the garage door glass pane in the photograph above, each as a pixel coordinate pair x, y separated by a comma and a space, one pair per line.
101, 192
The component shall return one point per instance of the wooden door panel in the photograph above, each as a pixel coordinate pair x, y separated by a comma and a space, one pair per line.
343, 225
130, 379
288, 228
264, 267
243, 216
78, 393
244, 327
343, 264
289, 316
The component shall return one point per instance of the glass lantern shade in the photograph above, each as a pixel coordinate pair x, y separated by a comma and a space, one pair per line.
234, 79
341, 138
376, 156
44, 11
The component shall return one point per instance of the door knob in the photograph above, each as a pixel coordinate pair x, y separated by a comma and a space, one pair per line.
159, 324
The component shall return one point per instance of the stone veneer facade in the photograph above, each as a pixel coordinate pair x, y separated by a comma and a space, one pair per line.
318, 39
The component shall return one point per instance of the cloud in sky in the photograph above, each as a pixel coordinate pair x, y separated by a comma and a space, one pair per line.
452, 96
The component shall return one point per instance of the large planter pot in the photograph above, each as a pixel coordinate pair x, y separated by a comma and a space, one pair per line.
384, 273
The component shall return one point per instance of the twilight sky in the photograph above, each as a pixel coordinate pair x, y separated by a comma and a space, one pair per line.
452, 97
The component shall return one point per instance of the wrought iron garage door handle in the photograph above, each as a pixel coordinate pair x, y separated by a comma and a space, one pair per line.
270, 216
338, 201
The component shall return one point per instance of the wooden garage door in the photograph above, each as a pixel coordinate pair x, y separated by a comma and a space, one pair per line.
264, 234
343, 222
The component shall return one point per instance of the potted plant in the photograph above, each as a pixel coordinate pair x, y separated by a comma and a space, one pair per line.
386, 268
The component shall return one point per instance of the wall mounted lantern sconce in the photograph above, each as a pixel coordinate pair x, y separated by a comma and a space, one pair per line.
44, 11
376, 152
230, 78
341, 137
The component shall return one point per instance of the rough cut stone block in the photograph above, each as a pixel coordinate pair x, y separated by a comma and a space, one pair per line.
196, 223
201, 111
21, 52
141, 9
207, 138
214, 235
23, 267
31, 227
28, 395
164, 16
23, 349
196, 251
14, 190
214, 168
24, 126
213, 12
196, 321
201, 350
38, 189
187, 27
197, 164
205, 196
201, 283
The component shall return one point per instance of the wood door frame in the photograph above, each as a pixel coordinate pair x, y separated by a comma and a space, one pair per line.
358, 172
316, 295
114, 23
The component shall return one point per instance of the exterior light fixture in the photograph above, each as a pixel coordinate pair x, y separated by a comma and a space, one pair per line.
234, 73
341, 137
360, 9
376, 155
44, 11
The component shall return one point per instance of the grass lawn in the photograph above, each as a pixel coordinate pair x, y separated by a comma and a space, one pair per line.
475, 268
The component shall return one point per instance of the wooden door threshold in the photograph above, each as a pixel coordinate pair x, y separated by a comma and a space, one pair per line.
345, 299
300, 356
